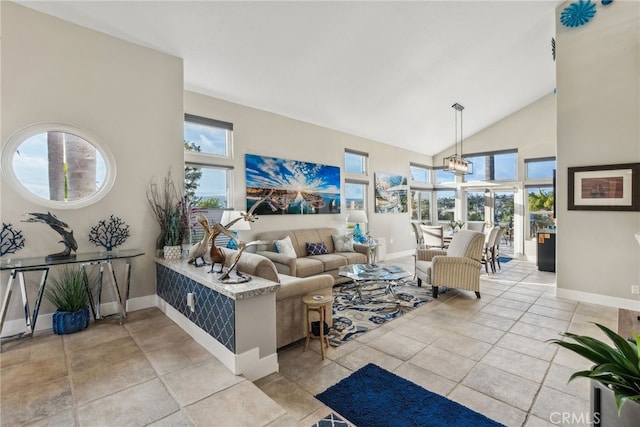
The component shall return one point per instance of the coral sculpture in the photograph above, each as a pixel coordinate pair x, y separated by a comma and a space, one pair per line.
109, 233
12, 240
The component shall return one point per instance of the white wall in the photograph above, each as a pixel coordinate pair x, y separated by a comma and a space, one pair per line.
263, 133
598, 79
130, 97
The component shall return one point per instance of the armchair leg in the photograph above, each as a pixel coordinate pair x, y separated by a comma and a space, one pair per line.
478, 294
420, 282
434, 291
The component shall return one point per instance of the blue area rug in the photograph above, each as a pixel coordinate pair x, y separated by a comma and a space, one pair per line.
372, 397
504, 259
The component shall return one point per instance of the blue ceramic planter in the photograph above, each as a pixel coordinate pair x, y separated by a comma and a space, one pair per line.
65, 322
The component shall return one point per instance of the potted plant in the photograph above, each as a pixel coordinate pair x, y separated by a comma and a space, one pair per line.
615, 375
456, 225
68, 292
174, 233
170, 210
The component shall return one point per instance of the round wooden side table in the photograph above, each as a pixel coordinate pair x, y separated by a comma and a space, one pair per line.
318, 303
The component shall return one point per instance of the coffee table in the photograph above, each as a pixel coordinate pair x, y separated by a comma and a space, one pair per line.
374, 277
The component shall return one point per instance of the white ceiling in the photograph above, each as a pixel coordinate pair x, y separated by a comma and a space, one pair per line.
384, 70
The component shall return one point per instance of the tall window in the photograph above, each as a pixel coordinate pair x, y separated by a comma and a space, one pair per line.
493, 167
421, 205
504, 209
207, 172
446, 203
540, 168
420, 174
475, 205
355, 195
541, 200
355, 162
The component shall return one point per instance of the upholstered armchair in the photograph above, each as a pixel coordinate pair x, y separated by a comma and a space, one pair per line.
456, 267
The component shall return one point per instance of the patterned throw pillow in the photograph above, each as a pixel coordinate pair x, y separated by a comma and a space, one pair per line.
285, 247
343, 242
316, 248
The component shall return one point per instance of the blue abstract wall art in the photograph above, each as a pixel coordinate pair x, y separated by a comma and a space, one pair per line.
391, 193
298, 187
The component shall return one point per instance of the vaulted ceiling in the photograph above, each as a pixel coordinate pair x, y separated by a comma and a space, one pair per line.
385, 70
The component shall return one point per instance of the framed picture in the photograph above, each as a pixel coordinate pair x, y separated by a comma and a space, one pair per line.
299, 188
391, 193
605, 187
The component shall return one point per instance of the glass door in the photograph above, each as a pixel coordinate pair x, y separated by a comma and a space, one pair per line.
504, 216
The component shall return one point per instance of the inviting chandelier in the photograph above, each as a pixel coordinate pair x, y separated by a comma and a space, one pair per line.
456, 163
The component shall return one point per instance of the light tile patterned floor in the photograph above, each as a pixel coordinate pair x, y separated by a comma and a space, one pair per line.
488, 354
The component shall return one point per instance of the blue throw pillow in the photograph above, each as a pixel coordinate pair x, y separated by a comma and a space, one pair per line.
316, 248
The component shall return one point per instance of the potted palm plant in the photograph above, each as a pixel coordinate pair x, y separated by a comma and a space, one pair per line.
68, 291
615, 375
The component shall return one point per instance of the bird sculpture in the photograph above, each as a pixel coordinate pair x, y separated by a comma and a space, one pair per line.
198, 250
216, 254
61, 228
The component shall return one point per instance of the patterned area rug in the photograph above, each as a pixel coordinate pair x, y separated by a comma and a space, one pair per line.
331, 420
353, 316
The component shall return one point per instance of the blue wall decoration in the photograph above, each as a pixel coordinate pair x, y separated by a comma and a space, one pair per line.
578, 13
298, 187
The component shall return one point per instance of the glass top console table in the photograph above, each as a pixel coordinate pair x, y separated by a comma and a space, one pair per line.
19, 266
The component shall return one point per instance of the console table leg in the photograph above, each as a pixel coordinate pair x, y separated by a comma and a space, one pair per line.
127, 273
36, 308
114, 283
85, 278
25, 304
6, 299
99, 295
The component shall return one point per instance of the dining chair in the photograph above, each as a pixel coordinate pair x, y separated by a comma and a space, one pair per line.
418, 232
433, 236
496, 247
488, 250
476, 226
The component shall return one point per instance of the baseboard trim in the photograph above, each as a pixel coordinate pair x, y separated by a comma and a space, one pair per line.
45, 321
249, 364
592, 298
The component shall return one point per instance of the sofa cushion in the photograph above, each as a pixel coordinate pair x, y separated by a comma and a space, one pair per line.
343, 242
353, 257
308, 266
285, 247
316, 248
330, 261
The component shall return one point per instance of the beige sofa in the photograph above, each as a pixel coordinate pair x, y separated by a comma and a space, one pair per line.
310, 265
290, 310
